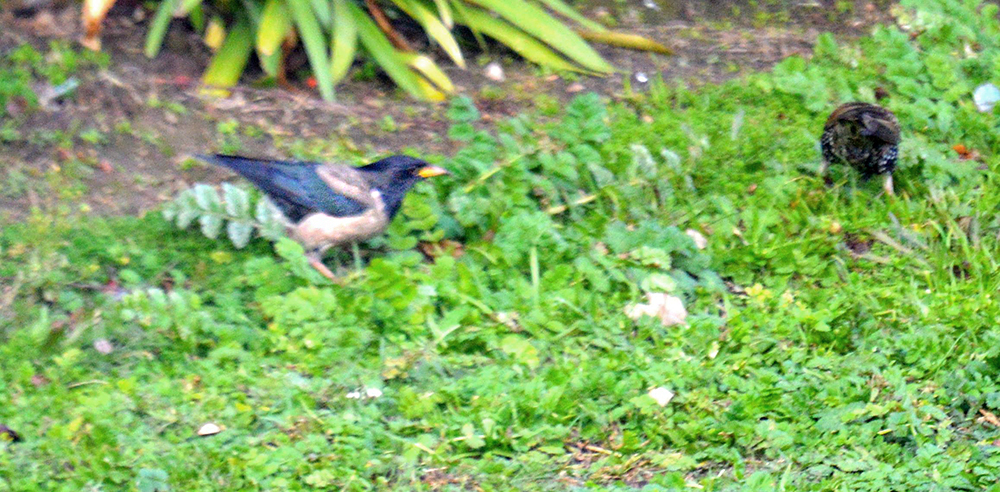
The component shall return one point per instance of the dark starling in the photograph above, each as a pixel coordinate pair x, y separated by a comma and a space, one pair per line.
332, 204
864, 136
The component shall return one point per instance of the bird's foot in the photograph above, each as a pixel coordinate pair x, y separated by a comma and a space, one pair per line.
824, 174
323, 270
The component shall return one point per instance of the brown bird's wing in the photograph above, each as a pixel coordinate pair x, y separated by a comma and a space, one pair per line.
881, 125
874, 121
847, 112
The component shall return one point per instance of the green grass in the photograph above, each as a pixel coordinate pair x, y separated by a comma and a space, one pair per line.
838, 339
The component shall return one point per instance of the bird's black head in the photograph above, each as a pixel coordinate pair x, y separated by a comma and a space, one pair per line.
395, 175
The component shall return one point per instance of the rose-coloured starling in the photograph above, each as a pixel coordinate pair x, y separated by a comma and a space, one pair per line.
864, 136
332, 204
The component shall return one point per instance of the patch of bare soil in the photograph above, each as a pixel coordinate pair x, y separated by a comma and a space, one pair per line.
167, 120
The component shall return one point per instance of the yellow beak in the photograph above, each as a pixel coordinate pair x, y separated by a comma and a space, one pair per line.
431, 171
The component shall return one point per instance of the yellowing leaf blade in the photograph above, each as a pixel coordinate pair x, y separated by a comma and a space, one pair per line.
228, 63
186, 7
517, 40
568, 12
533, 20
445, 12
623, 40
379, 47
429, 69
344, 42
275, 21
434, 28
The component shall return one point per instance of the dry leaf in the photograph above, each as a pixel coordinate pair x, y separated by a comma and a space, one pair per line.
94, 12
669, 309
209, 429
990, 417
215, 34
698, 238
661, 395
368, 393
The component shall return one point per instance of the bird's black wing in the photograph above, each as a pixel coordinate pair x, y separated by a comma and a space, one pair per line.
294, 187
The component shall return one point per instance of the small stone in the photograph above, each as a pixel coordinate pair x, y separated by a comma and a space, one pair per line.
575, 87
209, 429
494, 72
103, 346
985, 97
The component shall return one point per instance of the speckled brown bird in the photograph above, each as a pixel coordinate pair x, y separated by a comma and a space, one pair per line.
329, 205
864, 136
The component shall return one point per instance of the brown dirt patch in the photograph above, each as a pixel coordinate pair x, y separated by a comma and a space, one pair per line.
134, 171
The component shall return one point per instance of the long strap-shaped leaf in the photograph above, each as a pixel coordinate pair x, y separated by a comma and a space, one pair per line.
344, 42
459, 9
568, 12
186, 6
517, 40
388, 58
226, 66
445, 12
323, 12
623, 40
158, 28
315, 43
434, 28
536, 22
275, 22
429, 69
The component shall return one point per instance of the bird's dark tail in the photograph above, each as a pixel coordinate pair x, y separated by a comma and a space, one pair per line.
277, 177
282, 181
259, 172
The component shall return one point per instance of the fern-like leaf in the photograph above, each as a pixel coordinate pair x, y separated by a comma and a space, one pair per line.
235, 210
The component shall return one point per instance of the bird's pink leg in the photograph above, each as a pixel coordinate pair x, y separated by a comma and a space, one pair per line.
887, 185
317, 263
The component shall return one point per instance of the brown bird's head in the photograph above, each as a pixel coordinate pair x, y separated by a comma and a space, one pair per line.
870, 120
